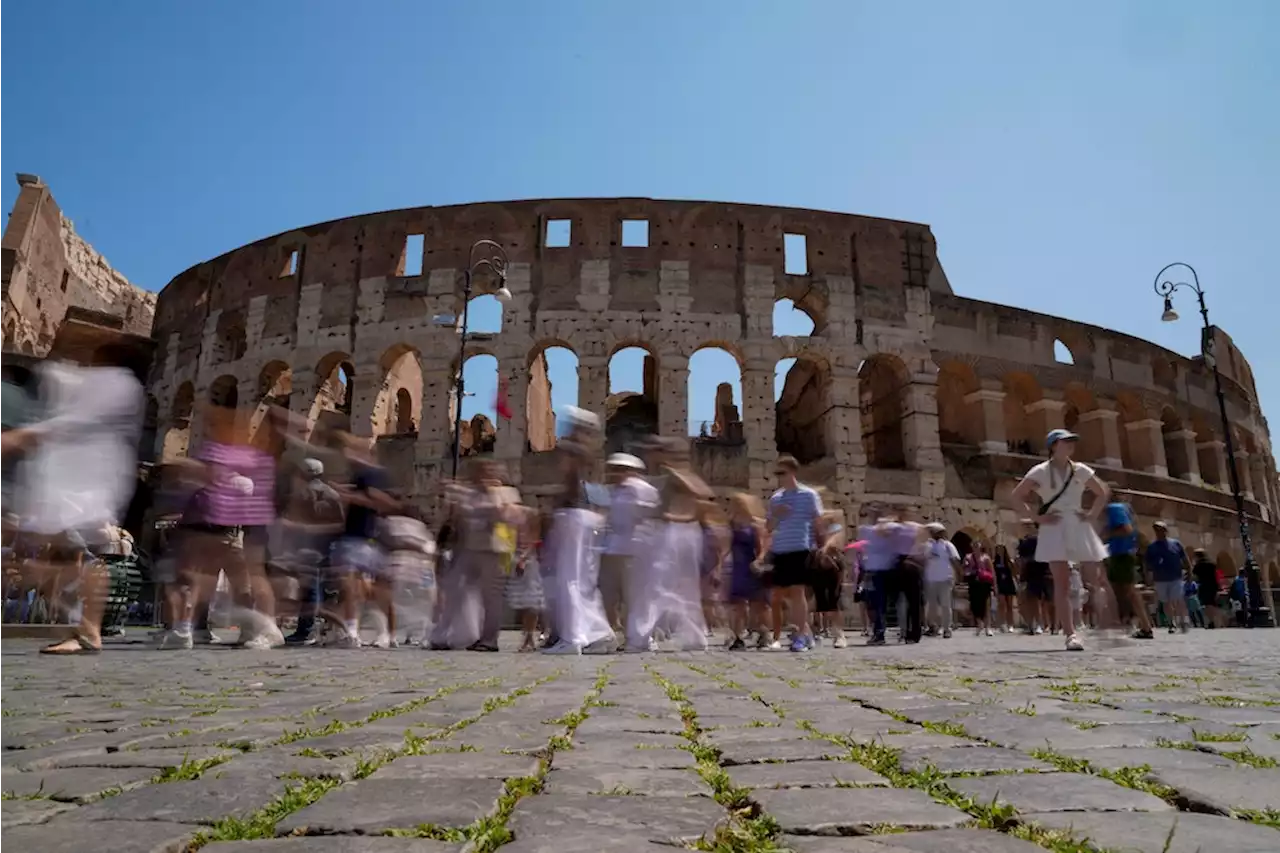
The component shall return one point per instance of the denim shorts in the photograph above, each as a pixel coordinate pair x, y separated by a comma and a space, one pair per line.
361, 555
1169, 591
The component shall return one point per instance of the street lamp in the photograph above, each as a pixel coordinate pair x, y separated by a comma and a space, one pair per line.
1259, 615
485, 255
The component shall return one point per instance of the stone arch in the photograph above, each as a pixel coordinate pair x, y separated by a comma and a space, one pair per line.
1226, 565
479, 406
395, 413
632, 408
1062, 353
224, 392
802, 407
882, 384
334, 392
1176, 458
1020, 391
715, 394
966, 538
553, 383
275, 385
792, 320
959, 421
1134, 447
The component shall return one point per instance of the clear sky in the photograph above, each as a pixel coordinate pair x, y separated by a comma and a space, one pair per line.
1062, 154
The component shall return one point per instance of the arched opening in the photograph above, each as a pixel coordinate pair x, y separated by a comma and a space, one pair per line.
715, 396
335, 392
275, 385
399, 402
1062, 353
1020, 391
963, 542
789, 320
1226, 566
1176, 458
631, 409
553, 385
479, 405
882, 386
484, 315
177, 439
959, 422
802, 408
224, 392
230, 342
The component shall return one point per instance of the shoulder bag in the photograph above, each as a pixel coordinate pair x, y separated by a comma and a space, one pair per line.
1048, 505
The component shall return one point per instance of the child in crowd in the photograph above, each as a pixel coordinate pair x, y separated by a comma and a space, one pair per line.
1191, 591
524, 586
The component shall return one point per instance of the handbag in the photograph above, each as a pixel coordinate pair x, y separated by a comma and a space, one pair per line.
1045, 507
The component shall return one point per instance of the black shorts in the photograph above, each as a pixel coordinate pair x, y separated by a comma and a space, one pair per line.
826, 590
790, 569
1039, 582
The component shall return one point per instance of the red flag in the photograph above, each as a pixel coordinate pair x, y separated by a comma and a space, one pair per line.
500, 401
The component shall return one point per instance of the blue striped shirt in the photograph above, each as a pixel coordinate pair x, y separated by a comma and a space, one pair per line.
794, 531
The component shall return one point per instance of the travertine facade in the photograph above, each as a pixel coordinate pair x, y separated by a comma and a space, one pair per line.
904, 395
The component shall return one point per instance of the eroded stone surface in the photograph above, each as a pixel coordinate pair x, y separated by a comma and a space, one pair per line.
371, 805
118, 836
841, 811
803, 774
1163, 832
1058, 792
935, 841
1226, 790
670, 820
971, 759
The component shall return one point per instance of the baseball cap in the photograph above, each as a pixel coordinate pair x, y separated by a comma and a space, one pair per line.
1056, 435
624, 460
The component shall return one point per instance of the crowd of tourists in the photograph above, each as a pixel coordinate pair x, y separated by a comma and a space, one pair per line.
303, 528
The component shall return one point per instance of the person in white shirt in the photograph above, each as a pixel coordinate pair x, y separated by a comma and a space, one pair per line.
941, 560
632, 503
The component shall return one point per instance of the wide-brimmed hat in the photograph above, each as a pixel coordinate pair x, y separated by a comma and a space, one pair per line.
936, 527
625, 460
1056, 435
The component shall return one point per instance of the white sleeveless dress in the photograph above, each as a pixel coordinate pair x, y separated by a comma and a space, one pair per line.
1071, 539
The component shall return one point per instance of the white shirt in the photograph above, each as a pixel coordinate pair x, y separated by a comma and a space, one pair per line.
938, 556
633, 501
83, 472
1049, 483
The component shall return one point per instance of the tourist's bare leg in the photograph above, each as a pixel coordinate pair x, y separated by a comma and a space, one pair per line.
1062, 596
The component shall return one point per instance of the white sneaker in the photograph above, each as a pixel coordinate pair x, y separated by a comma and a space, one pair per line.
205, 637
776, 645
839, 642
173, 640
343, 640
564, 647
1039, 630
1074, 643
990, 633
383, 641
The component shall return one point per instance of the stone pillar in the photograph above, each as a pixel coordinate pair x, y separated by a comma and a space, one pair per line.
989, 403
1043, 416
593, 384
1246, 476
673, 396
511, 432
1213, 464
922, 447
1102, 426
759, 423
1184, 441
435, 425
367, 379
1146, 441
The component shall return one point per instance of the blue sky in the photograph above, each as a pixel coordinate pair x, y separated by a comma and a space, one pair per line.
1062, 154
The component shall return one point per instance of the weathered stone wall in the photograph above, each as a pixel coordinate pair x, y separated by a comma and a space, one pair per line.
906, 396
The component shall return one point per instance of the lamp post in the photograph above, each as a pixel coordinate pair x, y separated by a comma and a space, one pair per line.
1259, 615
485, 255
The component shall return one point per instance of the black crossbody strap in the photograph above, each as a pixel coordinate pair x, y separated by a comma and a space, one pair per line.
1053, 500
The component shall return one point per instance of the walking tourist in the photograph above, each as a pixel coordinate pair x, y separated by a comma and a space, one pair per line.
826, 578
749, 541
1206, 574
632, 503
941, 561
1122, 565
524, 586
357, 557
1006, 589
981, 577
1037, 582
1167, 561
795, 513
1066, 532
889, 543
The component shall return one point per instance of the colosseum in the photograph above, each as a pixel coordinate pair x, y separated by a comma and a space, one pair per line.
903, 395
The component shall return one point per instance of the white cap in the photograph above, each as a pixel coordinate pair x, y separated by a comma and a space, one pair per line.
312, 467
936, 527
581, 417
625, 460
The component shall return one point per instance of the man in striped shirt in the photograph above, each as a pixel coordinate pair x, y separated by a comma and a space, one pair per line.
795, 522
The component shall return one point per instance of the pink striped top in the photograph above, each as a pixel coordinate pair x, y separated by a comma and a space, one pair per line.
224, 503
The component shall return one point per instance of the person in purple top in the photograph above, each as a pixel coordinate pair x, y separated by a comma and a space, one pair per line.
748, 546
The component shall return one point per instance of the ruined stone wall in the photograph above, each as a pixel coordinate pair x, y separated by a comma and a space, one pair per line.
48, 268
905, 395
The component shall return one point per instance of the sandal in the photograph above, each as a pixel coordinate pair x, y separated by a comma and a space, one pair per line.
481, 647
76, 645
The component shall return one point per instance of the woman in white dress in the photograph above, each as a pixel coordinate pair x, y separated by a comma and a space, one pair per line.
1067, 531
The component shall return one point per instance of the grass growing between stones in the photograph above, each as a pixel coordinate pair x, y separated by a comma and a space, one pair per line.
1134, 778
1266, 817
188, 770
1219, 737
1251, 758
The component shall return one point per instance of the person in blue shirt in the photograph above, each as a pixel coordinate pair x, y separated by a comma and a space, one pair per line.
1122, 564
1167, 561
1194, 607
796, 528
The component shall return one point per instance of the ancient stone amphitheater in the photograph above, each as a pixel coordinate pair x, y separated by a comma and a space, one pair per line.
903, 395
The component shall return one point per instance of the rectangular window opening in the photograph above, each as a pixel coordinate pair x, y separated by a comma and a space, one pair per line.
412, 257
635, 233
290, 264
795, 254
558, 233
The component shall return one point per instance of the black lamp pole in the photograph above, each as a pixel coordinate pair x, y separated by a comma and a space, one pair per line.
1259, 615
485, 254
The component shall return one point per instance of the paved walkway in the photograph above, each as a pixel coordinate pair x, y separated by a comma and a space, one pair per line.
995, 745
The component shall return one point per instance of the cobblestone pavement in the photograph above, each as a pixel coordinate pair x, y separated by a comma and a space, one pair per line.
997, 745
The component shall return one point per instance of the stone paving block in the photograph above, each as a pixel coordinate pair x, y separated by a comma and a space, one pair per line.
76, 785
760, 751
198, 801
932, 841
1058, 792
670, 820
589, 758
282, 762
845, 811
803, 774
587, 840
369, 806
1158, 758
971, 759
621, 739
1225, 791
116, 836
336, 844
458, 765
625, 781
23, 812
156, 758
47, 756
1148, 832
725, 737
